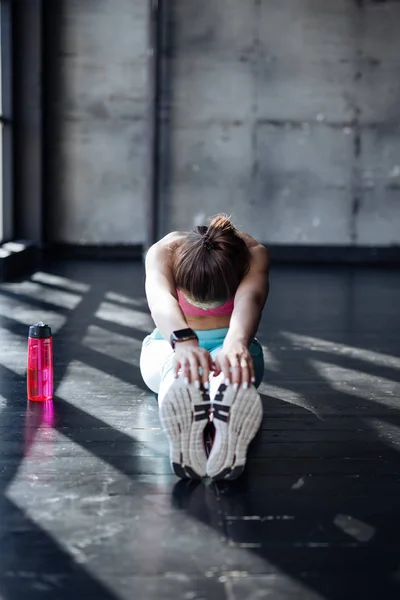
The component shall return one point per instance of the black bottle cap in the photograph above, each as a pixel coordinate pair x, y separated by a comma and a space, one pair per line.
40, 331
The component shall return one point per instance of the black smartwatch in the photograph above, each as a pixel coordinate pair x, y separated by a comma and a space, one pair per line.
182, 335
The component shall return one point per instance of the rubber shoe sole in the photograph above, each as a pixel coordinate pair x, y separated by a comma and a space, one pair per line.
184, 414
237, 416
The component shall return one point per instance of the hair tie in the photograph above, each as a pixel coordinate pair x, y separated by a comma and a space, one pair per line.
208, 245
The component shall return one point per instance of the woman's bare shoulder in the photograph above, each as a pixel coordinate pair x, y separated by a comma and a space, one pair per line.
163, 250
250, 241
172, 240
258, 252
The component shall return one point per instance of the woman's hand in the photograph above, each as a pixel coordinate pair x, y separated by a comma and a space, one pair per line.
236, 363
189, 357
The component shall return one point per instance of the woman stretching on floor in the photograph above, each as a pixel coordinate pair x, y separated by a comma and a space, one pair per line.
206, 290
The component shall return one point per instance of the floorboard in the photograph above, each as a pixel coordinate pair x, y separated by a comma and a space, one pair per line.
89, 506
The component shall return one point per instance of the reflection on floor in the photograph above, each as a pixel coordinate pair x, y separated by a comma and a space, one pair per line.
89, 508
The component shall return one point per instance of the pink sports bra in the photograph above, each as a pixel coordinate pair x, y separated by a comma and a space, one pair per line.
225, 310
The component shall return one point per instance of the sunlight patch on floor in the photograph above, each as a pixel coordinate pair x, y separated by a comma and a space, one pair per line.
40, 292
288, 396
121, 299
91, 390
26, 314
3, 402
320, 345
116, 345
387, 432
96, 386
57, 280
271, 363
270, 587
126, 317
55, 481
358, 383
360, 531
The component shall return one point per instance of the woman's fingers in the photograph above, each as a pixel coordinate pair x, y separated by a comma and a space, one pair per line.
245, 372
194, 375
185, 370
238, 369
223, 363
235, 370
205, 364
194, 366
241, 370
177, 366
216, 368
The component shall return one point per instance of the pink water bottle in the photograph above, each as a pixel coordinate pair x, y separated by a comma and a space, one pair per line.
40, 363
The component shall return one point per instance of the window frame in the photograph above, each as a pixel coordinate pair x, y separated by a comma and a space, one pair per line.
6, 123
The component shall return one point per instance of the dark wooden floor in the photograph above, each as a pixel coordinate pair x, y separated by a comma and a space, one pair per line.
89, 508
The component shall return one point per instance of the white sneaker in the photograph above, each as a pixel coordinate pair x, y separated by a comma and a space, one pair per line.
237, 416
184, 414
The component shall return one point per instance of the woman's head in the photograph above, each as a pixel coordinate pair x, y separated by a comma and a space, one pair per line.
211, 262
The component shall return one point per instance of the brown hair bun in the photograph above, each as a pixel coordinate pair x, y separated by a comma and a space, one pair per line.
211, 261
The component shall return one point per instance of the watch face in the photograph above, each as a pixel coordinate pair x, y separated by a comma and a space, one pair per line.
183, 333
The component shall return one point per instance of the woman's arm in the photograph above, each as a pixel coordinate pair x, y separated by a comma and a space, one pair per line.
161, 290
167, 314
250, 299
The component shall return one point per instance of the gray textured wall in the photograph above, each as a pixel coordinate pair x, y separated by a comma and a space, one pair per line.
97, 111
285, 113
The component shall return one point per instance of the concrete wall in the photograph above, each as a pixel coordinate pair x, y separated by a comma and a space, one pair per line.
285, 113
96, 67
